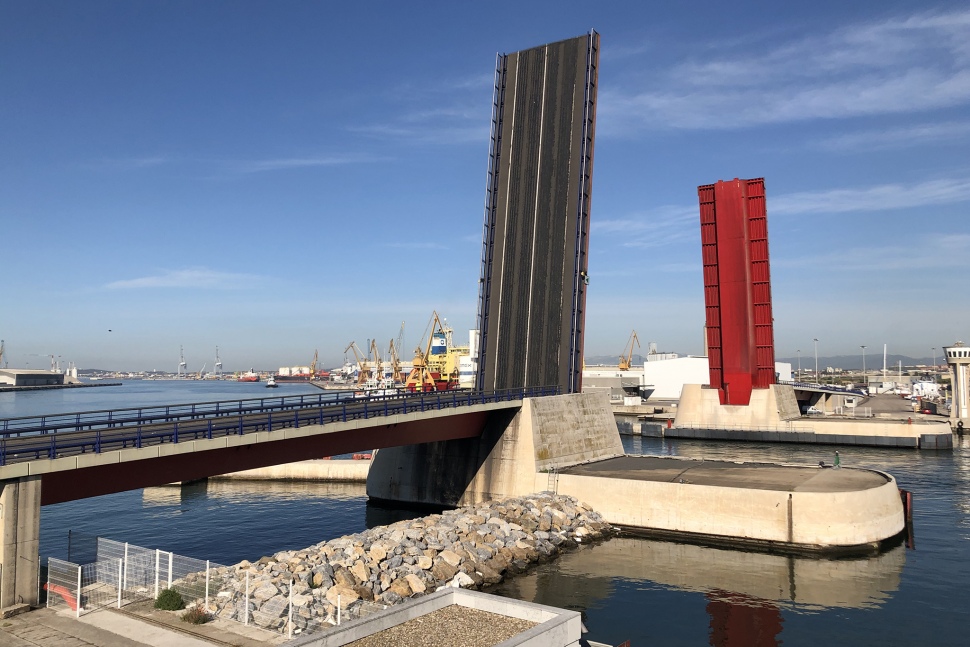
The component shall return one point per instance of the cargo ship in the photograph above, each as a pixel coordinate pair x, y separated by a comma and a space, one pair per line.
250, 376
297, 373
437, 367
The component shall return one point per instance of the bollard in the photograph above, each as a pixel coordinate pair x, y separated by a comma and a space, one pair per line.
837, 462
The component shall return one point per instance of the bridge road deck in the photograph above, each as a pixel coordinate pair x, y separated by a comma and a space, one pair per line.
81, 455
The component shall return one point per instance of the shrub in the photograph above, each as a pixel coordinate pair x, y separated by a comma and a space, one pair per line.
196, 616
169, 600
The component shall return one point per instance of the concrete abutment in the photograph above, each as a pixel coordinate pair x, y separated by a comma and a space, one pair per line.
507, 460
20, 549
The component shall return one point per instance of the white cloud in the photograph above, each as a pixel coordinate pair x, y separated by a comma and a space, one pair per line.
657, 227
875, 198
920, 253
196, 278
900, 65
902, 137
284, 163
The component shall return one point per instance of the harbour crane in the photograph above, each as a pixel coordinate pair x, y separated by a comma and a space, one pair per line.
420, 378
363, 368
397, 377
378, 364
1, 351
218, 365
628, 357
313, 364
182, 365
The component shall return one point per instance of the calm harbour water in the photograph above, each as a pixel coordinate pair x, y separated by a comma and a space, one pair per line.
649, 592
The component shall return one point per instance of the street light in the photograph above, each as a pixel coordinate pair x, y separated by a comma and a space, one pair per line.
934, 363
863, 361
816, 361
799, 352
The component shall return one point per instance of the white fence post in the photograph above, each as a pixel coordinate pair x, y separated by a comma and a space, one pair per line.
291, 609
77, 604
170, 556
157, 566
124, 583
207, 586
246, 602
120, 567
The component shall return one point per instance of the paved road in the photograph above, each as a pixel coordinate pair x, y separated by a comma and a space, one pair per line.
106, 628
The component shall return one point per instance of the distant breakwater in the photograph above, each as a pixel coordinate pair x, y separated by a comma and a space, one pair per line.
470, 547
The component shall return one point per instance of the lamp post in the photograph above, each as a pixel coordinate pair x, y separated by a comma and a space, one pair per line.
799, 353
934, 363
863, 362
816, 360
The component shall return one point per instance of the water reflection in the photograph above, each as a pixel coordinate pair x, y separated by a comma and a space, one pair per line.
236, 490
745, 591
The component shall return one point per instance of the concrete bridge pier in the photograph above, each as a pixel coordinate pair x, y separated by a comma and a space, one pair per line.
518, 453
20, 548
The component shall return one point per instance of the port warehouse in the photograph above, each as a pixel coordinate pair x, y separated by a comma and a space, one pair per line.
30, 377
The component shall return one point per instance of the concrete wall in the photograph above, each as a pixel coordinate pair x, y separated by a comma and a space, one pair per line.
545, 433
701, 407
773, 413
554, 628
19, 557
348, 471
809, 519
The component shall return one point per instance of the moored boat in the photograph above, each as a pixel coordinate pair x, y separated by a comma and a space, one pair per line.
250, 376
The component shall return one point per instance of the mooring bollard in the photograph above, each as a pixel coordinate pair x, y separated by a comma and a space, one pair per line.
837, 461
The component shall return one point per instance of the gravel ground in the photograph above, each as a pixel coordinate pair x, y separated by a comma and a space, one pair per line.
447, 627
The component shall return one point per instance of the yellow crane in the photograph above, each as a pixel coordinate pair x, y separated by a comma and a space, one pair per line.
420, 378
363, 367
378, 364
625, 359
397, 377
313, 366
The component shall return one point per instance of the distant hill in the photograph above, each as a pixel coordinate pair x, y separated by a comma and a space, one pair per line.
854, 362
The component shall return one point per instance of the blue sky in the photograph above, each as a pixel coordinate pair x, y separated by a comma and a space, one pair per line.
278, 177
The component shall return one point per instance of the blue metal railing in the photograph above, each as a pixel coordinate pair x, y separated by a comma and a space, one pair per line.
56, 435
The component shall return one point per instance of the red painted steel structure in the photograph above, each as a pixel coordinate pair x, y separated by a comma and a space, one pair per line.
109, 478
737, 288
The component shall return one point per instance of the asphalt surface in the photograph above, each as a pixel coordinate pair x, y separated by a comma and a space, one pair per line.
753, 476
109, 628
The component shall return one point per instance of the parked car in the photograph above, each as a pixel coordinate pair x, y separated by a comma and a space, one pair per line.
813, 411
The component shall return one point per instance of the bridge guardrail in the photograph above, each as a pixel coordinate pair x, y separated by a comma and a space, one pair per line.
824, 387
60, 435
